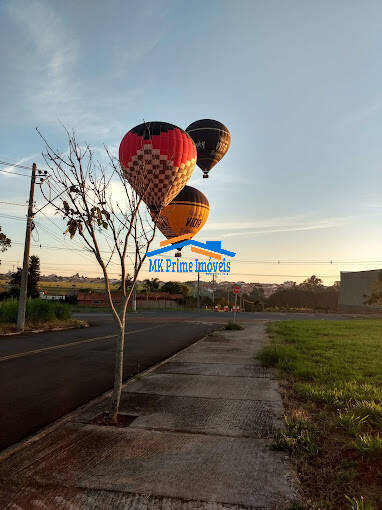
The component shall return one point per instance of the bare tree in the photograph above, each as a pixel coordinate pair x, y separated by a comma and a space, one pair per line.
80, 189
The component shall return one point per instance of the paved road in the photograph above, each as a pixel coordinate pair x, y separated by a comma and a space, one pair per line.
222, 317
44, 376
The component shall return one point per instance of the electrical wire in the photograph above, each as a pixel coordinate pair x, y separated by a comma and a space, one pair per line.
12, 217
24, 167
13, 203
14, 173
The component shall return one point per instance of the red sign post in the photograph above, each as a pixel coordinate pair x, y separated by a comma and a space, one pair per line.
236, 290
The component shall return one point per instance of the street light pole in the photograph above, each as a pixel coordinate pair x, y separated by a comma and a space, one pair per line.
24, 274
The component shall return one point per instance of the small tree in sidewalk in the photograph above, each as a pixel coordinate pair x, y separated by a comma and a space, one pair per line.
85, 193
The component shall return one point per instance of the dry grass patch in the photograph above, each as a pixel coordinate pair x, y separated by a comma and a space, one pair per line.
10, 328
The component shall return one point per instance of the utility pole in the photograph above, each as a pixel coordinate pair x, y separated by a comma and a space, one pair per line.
198, 293
24, 274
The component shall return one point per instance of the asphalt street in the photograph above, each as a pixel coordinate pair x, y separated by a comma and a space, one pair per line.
44, 376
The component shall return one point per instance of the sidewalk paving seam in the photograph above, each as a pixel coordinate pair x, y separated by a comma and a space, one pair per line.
185, 432
209, 398
210, 504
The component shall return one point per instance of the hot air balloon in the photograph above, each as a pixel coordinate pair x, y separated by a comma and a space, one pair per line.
186, 214
157, 159
212, 140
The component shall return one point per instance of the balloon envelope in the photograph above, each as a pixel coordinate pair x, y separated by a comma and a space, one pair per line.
186, 214
157, 159
212, 140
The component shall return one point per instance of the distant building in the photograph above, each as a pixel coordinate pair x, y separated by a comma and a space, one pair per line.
268, 288
144, 300
355, 288
44, 295
288, 284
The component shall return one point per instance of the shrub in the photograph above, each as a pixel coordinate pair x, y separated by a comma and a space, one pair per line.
351, 422
371, 409
358, 503
297, 438
278, 355
369, 444
233, 326
8, 311
37, 310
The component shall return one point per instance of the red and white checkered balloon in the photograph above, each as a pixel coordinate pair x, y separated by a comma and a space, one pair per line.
157, 159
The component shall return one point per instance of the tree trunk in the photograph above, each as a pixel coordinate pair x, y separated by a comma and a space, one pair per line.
118, 375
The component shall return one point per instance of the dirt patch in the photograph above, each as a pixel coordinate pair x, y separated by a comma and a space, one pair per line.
337, 469
7, 329
123, 420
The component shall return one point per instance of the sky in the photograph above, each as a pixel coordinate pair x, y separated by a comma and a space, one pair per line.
297, 83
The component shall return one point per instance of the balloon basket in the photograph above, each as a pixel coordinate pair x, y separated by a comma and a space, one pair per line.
205, 176
178, 254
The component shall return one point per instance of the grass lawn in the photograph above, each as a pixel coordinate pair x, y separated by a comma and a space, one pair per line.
331, 381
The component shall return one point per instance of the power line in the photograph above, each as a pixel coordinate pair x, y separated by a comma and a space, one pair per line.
14, 173
12, 217
13, 203
17, 165
24, 167
286, 275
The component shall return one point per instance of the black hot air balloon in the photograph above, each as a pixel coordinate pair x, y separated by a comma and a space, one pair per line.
212, 140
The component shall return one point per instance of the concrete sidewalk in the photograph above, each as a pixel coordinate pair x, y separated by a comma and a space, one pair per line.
199, 435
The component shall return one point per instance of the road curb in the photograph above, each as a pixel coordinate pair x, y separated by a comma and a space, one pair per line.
48, 429
36, 331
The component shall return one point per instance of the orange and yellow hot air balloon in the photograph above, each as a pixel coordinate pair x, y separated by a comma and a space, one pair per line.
186, 214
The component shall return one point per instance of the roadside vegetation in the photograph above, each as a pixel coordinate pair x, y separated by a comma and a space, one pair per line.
331, 380
40, 314
233, 326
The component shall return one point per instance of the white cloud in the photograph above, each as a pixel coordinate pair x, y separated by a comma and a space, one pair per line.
51, 77
363, 113
274, 225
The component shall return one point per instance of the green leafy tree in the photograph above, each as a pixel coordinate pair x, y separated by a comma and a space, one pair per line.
128, 283
256, 298
312, 283
5, 242
375, 297
175, 288
33, 276
33, 279
151, 285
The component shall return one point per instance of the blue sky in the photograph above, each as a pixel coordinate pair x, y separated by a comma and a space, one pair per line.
298, 84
